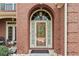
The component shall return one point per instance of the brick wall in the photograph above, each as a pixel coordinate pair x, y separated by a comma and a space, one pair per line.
22, 24
73, 29
2, 28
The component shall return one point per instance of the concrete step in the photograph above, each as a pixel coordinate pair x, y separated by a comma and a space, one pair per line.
39, 54
35, 54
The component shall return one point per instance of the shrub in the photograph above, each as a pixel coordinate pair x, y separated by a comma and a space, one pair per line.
4, 51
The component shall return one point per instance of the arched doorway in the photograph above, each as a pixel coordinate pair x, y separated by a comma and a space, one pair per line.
41, 29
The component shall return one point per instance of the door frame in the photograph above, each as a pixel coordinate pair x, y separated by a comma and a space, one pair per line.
52, 39
12, 25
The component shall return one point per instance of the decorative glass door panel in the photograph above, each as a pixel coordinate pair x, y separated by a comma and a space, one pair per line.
41, 33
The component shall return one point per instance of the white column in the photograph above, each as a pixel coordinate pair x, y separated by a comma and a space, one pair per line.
65, 30
6, 31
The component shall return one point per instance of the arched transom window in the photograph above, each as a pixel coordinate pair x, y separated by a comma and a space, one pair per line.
41, 14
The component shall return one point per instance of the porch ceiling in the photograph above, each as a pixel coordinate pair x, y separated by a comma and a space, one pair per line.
7, 15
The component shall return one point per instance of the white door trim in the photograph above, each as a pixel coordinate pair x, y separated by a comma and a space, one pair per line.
13, 26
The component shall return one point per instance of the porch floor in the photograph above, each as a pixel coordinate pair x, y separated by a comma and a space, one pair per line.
51, 53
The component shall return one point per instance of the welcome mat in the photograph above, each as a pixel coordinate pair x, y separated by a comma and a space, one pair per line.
39, 51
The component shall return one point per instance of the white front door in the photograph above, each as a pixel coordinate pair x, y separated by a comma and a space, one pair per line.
11, 32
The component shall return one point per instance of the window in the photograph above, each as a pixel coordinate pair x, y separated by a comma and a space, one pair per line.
10, 33
41, 15
2, 6
7, 6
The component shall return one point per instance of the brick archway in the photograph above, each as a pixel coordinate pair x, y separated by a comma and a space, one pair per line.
38, 6
50, 10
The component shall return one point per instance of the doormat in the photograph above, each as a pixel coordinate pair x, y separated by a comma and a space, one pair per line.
39, 51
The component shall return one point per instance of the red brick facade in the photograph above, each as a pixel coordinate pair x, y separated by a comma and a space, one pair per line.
73, 31
2, 28
22, 24
23, 12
